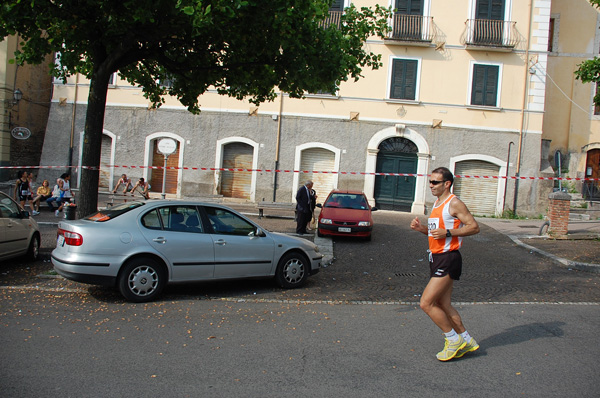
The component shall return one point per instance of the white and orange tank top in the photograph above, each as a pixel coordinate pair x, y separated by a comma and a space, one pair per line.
440, 218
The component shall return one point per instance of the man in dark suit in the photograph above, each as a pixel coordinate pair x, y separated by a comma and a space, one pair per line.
303, 207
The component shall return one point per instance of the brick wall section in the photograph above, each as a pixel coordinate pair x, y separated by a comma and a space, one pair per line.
558, 213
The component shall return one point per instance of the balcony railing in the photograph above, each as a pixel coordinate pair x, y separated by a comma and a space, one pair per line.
411, 28
334, 18
490, 33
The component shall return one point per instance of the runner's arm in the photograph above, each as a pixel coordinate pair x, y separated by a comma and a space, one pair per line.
417, 226
459, 210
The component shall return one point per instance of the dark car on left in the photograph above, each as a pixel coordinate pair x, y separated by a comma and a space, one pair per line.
19, 233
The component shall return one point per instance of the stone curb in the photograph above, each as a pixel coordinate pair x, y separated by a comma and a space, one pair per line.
563, 261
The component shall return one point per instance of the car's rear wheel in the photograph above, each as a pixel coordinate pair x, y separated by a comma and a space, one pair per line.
33, 252
292, 270
141, 280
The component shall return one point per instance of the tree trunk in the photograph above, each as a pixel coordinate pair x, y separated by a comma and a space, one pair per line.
87, 202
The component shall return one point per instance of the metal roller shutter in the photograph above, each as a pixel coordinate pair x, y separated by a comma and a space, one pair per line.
479, 194
104, 181
318, 159
237, 184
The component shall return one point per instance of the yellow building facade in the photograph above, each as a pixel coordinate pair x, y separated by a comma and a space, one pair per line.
25, 92
462, 86
571, 121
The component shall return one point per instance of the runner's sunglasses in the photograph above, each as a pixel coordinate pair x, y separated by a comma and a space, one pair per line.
433, 182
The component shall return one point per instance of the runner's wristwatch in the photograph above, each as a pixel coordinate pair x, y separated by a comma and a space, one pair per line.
448, 234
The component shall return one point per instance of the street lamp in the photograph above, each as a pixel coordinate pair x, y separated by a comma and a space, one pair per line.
17, 96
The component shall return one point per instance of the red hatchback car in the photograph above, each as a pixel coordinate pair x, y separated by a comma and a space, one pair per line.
346, 213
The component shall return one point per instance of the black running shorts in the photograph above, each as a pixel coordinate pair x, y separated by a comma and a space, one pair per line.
449, 263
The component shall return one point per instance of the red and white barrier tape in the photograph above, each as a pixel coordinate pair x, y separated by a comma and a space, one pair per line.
301, 171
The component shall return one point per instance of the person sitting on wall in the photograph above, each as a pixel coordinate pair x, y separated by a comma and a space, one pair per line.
125, 181
65, 192
43, 193
56, 195
144, 188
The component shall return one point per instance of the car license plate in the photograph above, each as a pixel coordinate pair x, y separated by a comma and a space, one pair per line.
344, 229
60, 241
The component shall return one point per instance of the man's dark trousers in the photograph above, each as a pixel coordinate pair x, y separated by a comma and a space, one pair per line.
303, 209
303, 220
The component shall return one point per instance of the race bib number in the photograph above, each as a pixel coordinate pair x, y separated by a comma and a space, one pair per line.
432, 223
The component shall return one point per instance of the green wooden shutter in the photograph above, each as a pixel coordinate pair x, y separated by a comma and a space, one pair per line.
409, 7
490, 9
404, 79
338, 5
485, 85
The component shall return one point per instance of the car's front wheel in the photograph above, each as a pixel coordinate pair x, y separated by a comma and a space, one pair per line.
292, 270
141, 280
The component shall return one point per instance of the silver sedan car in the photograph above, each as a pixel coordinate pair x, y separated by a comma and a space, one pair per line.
19, 233
140, 246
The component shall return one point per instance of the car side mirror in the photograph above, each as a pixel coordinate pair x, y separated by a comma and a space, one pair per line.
259, 232
373, 208
319, 205
24, 214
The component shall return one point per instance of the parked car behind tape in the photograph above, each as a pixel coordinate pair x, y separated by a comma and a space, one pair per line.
141, 246
346, 213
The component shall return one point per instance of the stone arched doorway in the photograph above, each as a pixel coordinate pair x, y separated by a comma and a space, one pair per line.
396, 155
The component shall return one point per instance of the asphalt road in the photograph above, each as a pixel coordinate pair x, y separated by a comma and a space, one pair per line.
76, 345
392, 267
355, 330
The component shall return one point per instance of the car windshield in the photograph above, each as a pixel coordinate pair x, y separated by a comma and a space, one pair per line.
113, 212
347, 201
8, 208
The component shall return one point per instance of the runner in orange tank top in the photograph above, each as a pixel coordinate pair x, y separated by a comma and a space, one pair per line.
448, 223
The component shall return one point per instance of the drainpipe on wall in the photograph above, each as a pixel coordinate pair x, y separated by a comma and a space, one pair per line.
506, 177
73, 114
523, 105
277, 145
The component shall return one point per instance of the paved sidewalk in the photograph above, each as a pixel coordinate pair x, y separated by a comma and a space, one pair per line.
580, 249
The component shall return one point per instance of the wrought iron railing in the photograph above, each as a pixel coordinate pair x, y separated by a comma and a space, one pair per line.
591, 190
411, 28
334, 18
490, 33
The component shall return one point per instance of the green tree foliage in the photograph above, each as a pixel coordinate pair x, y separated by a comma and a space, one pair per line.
589, 71
243, 48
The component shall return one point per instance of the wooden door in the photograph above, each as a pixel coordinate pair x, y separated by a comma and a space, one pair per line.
156, 177
591, 189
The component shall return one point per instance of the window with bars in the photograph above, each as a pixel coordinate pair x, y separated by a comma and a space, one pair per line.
489, 22
408, 19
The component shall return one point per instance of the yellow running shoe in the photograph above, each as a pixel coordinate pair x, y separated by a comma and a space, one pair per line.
470, 347
451, 348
